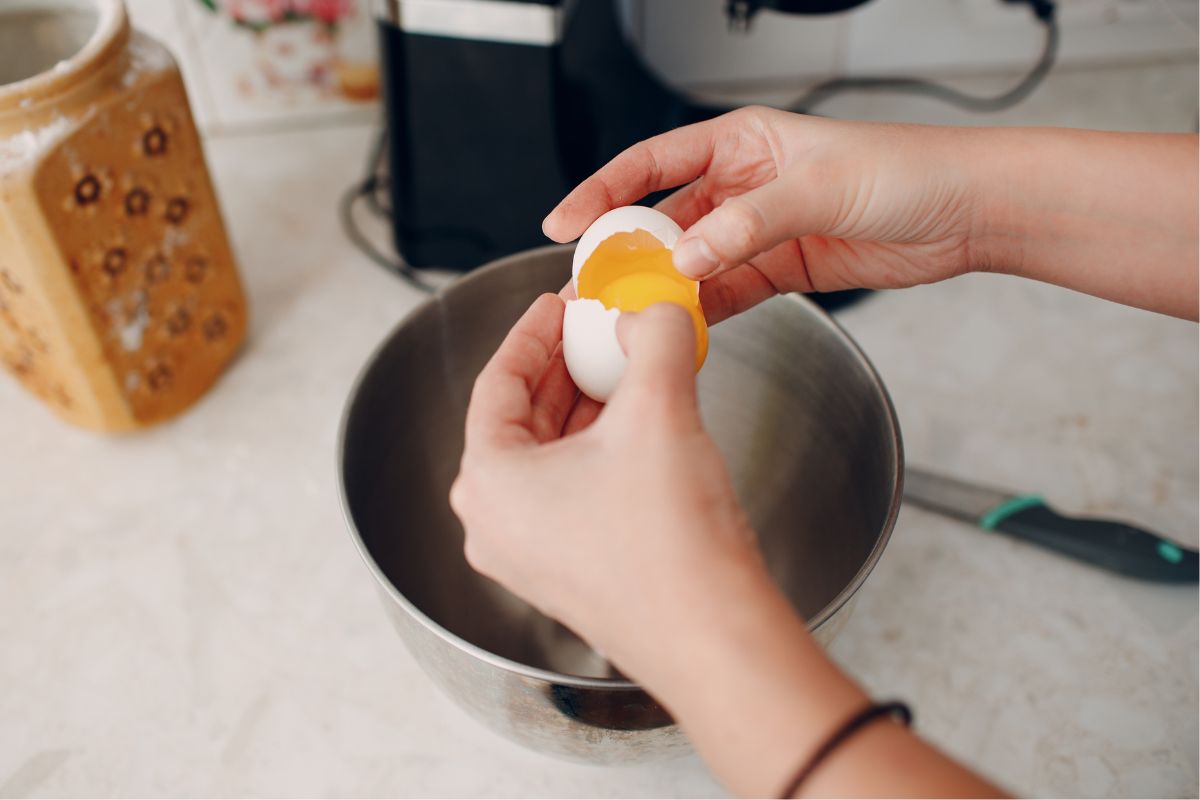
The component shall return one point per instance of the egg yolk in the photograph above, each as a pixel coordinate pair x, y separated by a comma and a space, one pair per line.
633, 271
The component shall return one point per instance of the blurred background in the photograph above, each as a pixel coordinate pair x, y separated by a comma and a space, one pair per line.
468, 114
250, 63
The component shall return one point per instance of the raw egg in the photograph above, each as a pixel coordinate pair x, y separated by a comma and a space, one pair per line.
622, 263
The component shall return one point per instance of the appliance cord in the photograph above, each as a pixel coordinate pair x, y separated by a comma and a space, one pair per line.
1042, 9
370, 188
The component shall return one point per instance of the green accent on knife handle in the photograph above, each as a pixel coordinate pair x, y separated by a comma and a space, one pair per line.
1108, 544
1170, 551
1011, 506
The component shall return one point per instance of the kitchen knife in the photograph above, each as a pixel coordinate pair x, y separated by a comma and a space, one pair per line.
1107, 544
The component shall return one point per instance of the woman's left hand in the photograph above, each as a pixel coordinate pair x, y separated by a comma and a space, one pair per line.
610, 519
621, 522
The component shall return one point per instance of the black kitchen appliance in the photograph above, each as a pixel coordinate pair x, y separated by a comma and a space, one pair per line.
496, 108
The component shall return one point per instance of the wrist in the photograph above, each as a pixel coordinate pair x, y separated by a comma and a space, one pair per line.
683, 598
1109, 214
997, 229
743, 677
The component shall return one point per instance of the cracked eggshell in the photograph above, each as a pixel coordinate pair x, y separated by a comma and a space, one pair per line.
625, 219
593, 354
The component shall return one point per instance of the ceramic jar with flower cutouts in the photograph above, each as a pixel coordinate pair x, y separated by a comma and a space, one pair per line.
120, 303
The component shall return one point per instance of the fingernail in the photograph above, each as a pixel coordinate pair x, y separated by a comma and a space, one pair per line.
695, 259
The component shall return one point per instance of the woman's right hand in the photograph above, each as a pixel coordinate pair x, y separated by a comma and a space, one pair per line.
773, 202
778, 202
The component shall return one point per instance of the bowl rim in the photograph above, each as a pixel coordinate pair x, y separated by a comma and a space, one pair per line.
561, 678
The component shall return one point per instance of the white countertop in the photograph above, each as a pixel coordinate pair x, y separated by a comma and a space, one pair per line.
184, 612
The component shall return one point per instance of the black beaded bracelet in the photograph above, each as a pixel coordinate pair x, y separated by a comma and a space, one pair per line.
894, 709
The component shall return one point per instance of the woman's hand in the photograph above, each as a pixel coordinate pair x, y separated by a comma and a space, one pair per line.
608, 528
621, 522
778, 202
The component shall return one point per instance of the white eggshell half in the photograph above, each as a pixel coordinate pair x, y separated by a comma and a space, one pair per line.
594, 357
625, 219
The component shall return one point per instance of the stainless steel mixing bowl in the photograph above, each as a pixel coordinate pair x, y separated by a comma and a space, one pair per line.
802, 419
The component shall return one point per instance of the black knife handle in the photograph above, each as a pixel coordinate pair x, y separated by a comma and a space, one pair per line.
1110, 545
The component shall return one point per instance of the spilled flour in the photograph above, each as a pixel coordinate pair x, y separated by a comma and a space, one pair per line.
21, 149
145, 58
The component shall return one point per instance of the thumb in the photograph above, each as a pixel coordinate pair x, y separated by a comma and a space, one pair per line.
737, 230
660, 377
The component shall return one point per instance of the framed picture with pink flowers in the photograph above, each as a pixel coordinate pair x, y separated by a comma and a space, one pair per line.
274, 63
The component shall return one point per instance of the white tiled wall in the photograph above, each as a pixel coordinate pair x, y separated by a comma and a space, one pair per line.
688, 41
